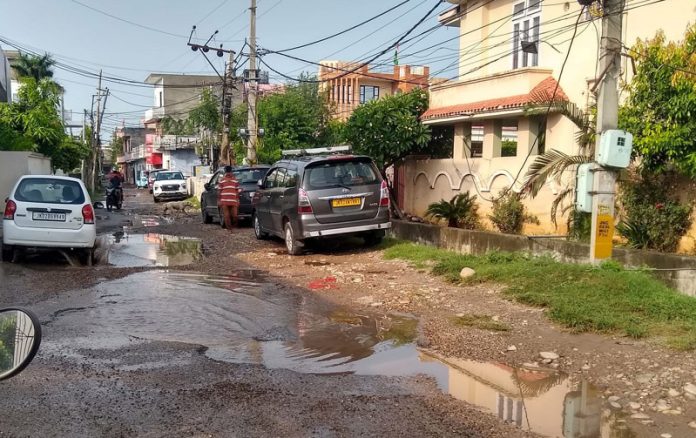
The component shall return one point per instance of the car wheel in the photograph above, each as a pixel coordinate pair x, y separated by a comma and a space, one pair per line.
204, 213
118, 206
260, 234
87, 257
291, 244
7, 254
221, 218
374, 238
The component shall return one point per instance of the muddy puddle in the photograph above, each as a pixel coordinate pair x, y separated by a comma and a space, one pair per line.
125, 250
241, 319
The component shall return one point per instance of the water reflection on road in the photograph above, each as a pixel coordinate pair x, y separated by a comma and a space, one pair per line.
241, 319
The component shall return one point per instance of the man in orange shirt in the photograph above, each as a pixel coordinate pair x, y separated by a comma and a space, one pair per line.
228, 197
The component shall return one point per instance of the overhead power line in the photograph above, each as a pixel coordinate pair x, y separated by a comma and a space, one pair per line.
344, 31
366, 63
132, 23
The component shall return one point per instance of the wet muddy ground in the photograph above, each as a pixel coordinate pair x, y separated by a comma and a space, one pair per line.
183, 329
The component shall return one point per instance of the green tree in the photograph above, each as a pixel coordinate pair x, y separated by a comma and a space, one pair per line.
206, 115
555, 164
389, 129
36, 67
297, 117
33, 123
172, 126
660, 111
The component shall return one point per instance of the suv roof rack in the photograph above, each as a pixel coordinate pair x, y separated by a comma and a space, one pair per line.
316, 151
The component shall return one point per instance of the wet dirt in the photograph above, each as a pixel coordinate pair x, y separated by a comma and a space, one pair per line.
240, 319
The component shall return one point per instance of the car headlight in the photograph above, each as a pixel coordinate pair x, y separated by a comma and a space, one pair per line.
183, 186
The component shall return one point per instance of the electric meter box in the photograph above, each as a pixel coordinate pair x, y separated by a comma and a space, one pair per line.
615, 149
583, 188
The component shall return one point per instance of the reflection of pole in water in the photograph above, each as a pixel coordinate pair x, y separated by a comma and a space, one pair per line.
581, 413
24, 337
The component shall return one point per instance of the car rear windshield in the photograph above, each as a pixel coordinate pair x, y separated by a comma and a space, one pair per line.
50, 191
169, 176
344, 173
248, 176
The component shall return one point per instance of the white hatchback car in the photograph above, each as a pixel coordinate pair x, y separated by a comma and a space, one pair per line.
47, 211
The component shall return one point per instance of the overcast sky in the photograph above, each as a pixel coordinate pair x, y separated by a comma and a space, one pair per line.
81, 37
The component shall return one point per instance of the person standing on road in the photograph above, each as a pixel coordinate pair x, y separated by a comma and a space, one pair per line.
228, 197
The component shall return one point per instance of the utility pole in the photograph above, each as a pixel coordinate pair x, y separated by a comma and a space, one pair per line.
226, 152
99, 156
225, 155
90, 164
604, 185
252, 123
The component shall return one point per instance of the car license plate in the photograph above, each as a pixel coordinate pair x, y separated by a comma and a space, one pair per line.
55, 217
346, 202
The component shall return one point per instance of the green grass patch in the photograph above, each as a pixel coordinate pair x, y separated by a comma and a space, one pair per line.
483, 322
583, 298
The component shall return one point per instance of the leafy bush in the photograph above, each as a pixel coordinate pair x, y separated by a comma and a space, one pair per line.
460, 212
580, 226
509, 213
652, 219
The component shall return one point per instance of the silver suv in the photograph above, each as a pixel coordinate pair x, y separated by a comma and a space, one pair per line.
316, 194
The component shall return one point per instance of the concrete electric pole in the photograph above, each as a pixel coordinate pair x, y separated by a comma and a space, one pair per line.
604, 185
252, 121
226, 150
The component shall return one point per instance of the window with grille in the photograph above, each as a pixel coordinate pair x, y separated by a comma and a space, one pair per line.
526, 16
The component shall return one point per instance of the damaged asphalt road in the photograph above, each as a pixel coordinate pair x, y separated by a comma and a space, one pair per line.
145, 351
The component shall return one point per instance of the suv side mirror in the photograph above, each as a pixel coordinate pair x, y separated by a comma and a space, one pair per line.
206, 186
260, 183
20, 337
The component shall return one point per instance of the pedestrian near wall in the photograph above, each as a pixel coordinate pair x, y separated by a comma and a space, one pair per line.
228, 198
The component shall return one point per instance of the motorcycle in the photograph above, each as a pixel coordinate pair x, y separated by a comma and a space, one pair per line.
114, 196
20, 338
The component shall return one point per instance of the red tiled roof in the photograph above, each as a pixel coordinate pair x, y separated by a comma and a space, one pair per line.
541, 94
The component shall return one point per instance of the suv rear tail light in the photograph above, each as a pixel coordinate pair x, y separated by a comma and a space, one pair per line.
88, 214
10, 209
303, 204
384, 195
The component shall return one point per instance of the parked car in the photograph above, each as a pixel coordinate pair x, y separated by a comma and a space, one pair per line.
248, 177
317, 194
47, 211
169, 185
151, 177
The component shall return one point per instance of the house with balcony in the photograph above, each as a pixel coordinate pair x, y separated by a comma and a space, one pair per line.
174, 96
133, 159
511, 53
350, 84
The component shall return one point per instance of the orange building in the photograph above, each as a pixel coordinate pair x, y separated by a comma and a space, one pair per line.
350, 84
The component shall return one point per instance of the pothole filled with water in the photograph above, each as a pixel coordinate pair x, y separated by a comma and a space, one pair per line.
126, 250
241, 319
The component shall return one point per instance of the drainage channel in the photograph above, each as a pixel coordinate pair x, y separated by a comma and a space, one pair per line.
240, 319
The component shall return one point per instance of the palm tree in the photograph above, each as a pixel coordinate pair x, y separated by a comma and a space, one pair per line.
37, 67
554, 163
460, 210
